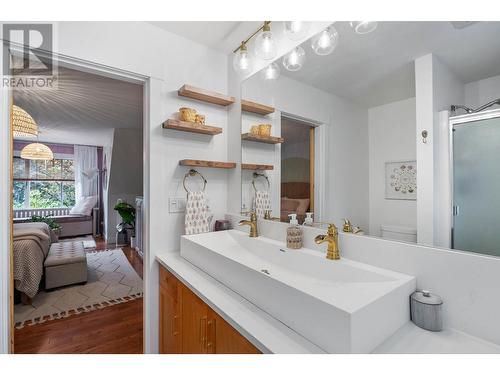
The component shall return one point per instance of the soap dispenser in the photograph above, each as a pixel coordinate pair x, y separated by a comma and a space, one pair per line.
294, 233
308, 221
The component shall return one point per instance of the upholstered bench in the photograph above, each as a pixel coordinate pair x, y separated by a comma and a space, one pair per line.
65, 264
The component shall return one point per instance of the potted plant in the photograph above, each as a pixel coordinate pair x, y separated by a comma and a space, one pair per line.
126, 228
50, 221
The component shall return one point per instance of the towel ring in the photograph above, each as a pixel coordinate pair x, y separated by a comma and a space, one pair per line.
192, 173
256, 176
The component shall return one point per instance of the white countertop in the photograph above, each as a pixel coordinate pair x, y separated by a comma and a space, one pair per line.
271, 336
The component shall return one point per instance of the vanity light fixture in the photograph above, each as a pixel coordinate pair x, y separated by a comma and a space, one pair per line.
271, 72
296, 30
363, 27
242, 62
265, 44
294, 60
325, 42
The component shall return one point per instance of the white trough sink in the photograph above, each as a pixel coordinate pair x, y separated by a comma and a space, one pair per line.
342, 306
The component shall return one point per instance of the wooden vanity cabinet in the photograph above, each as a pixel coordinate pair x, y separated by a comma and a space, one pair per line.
189, 326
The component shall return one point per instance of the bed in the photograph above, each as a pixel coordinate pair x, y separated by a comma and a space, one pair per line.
294, 200
31, 246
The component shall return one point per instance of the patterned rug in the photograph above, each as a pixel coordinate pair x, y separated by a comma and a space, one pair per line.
111, 280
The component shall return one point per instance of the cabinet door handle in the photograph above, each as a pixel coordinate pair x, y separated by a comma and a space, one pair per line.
175, 331
211, 336
203, 330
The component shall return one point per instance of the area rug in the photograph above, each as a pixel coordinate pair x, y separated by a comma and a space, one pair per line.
111, 280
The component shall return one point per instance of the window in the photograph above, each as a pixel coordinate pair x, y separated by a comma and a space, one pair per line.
43, 184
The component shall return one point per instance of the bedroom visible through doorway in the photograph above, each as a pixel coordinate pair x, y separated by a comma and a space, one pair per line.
297, 168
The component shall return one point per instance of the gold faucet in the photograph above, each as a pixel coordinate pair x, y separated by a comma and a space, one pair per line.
268, 216
332, 237
252, 223
347, 226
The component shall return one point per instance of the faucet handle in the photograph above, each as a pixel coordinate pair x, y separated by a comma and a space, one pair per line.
332, 230
253, 216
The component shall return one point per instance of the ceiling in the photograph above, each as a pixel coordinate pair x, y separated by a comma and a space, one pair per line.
223, 36
84, 108
378, 68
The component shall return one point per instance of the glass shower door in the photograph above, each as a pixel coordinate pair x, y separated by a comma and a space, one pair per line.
476, 186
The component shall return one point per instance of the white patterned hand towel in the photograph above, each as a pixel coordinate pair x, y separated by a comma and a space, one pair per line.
262, 203
196, 220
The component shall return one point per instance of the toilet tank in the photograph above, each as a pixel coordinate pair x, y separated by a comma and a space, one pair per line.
394, 232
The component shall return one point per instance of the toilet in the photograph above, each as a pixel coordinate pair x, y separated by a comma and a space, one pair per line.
394, 232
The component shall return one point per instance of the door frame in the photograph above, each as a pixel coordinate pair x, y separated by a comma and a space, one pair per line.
6, 224
454, 121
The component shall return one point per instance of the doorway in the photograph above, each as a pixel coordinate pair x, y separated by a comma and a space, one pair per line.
106, 310
297, 168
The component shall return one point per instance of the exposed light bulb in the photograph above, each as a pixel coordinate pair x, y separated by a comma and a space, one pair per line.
325, 42
294, 60
363, 27
265, 45
296, 30
242, 62
271, 72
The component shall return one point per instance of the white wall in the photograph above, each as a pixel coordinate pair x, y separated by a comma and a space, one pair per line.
481, 92
391, 129
125, 176
346, 152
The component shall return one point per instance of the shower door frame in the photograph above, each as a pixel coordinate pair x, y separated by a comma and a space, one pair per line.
452, 122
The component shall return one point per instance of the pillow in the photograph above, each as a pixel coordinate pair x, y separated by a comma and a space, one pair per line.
84, 206
303, 205
289, 204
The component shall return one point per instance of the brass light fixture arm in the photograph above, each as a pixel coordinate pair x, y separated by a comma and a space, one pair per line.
244, 42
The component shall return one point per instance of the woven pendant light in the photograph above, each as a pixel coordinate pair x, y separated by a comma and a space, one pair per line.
37, 151
23, 124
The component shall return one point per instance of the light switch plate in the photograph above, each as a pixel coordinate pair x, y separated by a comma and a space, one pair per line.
176, 204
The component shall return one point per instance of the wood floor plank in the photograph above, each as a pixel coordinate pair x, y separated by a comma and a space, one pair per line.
115, 329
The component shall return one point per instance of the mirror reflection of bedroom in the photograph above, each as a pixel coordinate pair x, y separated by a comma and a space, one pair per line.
77, 211
297, 169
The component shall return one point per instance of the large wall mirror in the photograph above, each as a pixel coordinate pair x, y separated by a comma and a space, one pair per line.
336, 134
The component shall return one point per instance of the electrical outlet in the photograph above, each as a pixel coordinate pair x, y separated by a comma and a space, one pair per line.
176, 204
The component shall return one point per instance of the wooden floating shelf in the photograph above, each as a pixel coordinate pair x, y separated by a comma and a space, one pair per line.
257, 167
191, 127
261, 138
207, 164
205, 95
260, 109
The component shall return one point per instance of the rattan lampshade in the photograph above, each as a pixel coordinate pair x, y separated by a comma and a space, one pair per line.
37, 151
23, 124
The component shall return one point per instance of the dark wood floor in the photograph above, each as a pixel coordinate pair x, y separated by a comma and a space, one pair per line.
113, 330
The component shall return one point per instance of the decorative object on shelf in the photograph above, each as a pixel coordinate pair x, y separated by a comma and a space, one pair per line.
206, 96
187, 114
37, 151
325, 42
191, 127
294, 60
401, 180
23, 124
200, 119
271, 72
254, 129
265, 130
296, 30
363, 27
265, 45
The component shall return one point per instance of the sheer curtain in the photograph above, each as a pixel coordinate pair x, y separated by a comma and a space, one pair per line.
86, 171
